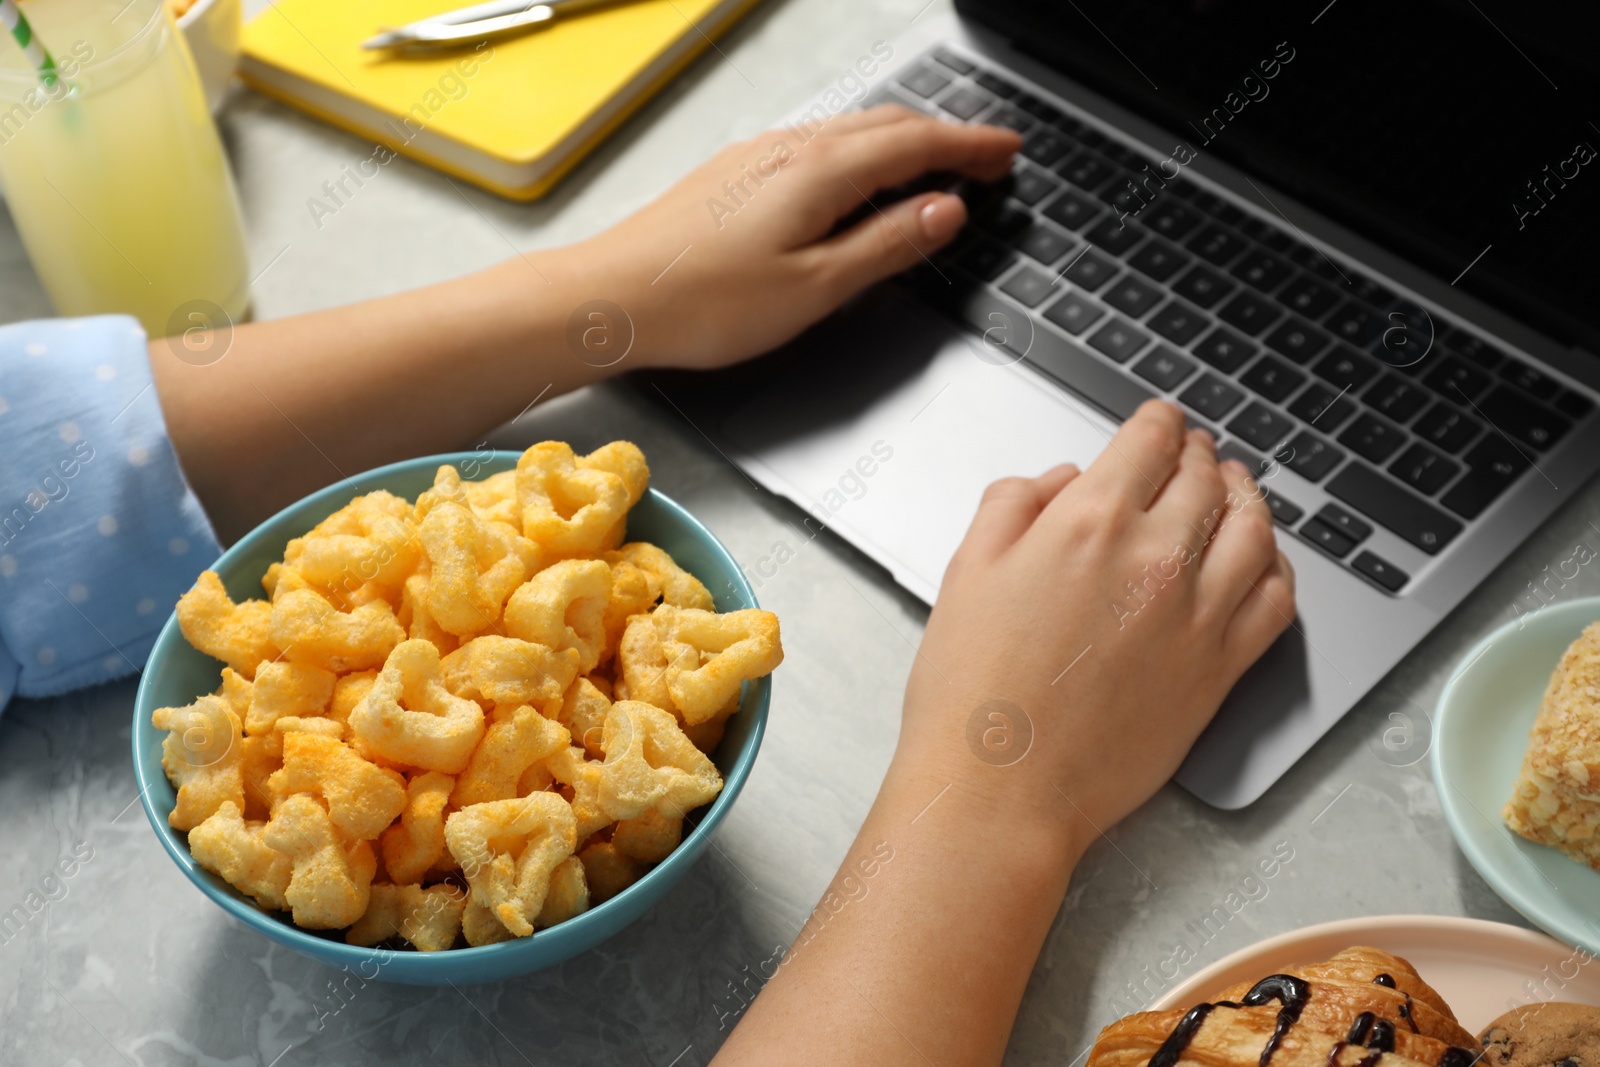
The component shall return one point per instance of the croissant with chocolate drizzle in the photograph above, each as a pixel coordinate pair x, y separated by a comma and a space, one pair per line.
1362, 1008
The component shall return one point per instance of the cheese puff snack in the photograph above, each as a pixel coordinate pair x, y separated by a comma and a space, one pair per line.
651, 764
541, 832
409, 716
568, 895
505, 670
202, 758
480, 927
633, 591
240, 635
311, 630
428, 918
516, 741
237, 851
348, 692
261, 756
709, 655
330, 879
626, 461
678, 587
474, 566
371, 539
607, 871
568, 508
583, 713
642, 664
582, 779
494, 499
362, 799
284, 688
413, 845
564, 606
650, 838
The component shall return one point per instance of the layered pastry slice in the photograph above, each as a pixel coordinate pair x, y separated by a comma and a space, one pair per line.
1362, 1008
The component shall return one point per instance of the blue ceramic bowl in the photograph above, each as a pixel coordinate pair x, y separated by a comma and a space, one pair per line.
176, 674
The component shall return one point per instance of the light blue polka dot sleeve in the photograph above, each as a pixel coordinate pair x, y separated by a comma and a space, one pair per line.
99, 532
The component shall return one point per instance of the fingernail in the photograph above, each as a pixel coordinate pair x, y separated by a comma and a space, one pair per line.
940, 218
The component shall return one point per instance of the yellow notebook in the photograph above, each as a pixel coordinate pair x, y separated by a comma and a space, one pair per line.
511, 115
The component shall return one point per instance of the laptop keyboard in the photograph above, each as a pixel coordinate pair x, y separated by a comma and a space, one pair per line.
1262, 338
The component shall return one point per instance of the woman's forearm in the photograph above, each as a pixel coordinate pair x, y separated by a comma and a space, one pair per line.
294, 404
921, 948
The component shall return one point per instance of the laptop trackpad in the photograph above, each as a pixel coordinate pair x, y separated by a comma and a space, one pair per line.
885, 424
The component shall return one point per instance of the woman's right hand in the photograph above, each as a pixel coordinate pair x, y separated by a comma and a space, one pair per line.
1114, 607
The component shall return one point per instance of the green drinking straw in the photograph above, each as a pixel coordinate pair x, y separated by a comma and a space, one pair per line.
31, 47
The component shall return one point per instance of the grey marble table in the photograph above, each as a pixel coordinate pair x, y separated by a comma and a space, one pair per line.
130, 964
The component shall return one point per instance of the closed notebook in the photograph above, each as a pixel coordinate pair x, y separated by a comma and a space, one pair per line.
512, 114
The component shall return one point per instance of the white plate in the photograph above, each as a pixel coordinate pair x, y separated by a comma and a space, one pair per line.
1482, 969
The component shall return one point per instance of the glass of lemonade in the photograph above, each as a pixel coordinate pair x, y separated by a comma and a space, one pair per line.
115, 176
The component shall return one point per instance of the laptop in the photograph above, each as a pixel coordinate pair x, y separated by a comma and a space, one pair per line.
1357, 240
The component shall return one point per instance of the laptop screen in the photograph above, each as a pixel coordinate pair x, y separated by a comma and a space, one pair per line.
1461, 134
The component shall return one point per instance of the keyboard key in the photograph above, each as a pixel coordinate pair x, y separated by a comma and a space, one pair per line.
1424, 469
1393, 507
1492, 465
1260, 426
1217, 246
1012, 118
1132, 296
1298, 339
1326, 538
1171, 219
1119, 340
964, 103
1072, 210
1044, 145
1038, 108
1471, 347
1029, 286
1272, 378
1045, 243
1310, 456
1177, 322
1395, 397
1076, 368
1381, 571
1164, 368
1372, 438
1002, 218
997, 85
924, 81
1203, 286
1224, 349
1344, 368
1529, 380
1074, 313
1250, 313
1353, 322
1372, 292
1570, 403
1457, 380
1527, 421
1261, 269
1159, 260
1267, 234
1322, 407
1283, 509
985, 260
953, 61
1090, 270
1307, 296
1031, 185
1116, 237
1344, 522
1086, 170
1447, 428
1212, 397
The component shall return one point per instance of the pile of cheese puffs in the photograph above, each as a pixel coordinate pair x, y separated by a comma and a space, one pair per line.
459, 719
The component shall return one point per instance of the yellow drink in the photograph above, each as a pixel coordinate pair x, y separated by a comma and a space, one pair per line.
116, 177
